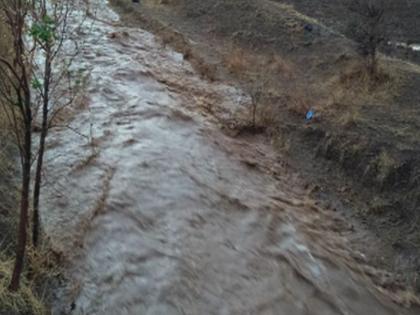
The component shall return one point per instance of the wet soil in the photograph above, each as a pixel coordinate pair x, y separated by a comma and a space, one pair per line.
159, 211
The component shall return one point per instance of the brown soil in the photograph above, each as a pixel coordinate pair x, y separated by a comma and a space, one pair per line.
361, 151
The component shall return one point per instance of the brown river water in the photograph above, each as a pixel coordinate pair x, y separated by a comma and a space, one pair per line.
160, 213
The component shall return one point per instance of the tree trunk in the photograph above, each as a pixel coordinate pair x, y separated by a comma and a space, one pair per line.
36, 221
24, 209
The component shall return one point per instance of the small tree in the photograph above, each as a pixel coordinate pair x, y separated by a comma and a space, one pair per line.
368, 29
258, 89
48, 31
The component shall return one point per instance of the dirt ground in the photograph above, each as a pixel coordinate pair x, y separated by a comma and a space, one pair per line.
360, 153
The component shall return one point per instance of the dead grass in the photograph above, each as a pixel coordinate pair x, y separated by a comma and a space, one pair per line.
33, 293
243, 62
273, 78
356, 76
354, 81
350, 117
237, 61
299, 100
352, 87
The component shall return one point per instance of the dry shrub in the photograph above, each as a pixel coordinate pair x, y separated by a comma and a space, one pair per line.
353, 86
356, 75
270, 106
269, 115
31, 298
350, 117
241, 62
174, 39
268, 79
237, 61
207, 71
298, 101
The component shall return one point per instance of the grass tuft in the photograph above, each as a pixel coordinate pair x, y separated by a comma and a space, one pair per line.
24, 301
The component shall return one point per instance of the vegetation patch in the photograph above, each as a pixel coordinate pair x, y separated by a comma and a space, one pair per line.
24, 301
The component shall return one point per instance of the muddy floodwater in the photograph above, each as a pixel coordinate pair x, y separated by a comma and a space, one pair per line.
161, 213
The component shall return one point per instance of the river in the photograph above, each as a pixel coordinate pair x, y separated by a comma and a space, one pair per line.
159, 212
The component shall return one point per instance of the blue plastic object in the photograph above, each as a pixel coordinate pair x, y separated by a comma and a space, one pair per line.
310, 114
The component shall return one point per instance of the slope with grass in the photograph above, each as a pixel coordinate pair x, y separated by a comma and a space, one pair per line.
403, 19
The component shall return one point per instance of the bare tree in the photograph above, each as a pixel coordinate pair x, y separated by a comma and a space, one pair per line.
368, 29
49, 31
259, 89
